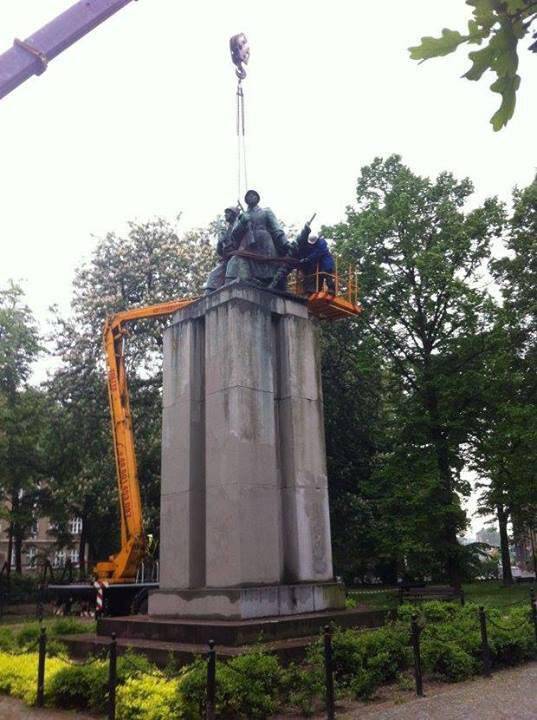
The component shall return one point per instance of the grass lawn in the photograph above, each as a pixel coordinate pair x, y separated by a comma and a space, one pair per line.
488, 594
16, 622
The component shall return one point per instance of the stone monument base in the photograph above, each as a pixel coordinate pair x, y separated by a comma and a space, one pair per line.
160, 638
243, 603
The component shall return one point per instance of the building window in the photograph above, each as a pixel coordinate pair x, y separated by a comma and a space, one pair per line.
58, 559
31, 555
73, 557
75, 526
34, 529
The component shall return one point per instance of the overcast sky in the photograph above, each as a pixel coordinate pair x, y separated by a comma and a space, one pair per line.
137, 119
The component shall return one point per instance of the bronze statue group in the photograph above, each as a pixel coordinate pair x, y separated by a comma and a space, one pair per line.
254, 247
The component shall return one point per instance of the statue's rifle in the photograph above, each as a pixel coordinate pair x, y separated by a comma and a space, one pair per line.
283, 260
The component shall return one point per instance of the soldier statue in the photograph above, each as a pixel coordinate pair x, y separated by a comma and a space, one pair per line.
224, 246
256, 232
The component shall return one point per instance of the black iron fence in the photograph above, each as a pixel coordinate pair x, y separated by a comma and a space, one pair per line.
417, 626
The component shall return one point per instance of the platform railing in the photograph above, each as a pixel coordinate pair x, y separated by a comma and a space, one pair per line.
340, 284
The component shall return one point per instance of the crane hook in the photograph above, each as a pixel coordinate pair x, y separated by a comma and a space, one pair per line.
240, 54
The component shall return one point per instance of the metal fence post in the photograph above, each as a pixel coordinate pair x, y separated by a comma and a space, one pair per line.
211, 682
39, 610
485, 649
40, 700
112, 678
415, 632
329, 674
534, 611
463, 598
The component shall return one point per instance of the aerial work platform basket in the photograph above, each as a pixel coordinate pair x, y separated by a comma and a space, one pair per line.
331, 296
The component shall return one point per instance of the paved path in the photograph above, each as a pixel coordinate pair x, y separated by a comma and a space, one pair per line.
508, 695
12, 709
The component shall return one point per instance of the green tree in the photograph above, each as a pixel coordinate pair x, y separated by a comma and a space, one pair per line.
352, 392
420, 255
516, 272
151, 264
503, 446
21, 410
498, 25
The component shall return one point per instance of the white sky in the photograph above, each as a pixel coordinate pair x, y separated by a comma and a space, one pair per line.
137, 119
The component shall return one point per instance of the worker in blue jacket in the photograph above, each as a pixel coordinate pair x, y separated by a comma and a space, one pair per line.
311, 251
314, 255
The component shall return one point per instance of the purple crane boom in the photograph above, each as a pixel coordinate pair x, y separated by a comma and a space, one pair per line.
31, 56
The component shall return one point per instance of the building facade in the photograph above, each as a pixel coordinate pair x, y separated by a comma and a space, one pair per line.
41, 544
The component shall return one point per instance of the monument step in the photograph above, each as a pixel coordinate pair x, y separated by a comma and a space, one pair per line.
235, 633
159, 652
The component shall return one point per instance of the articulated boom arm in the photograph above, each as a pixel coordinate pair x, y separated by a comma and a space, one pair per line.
123, 566
31, 56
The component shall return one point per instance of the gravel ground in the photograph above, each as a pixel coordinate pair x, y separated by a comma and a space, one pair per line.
11, 709
508, 695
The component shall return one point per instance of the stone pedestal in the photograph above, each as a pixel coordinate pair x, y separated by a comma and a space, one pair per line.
245, 529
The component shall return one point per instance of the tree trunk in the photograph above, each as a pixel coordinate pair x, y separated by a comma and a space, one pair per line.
448, 542
18, 554
82, 550
9, 549
532, 541
503, 517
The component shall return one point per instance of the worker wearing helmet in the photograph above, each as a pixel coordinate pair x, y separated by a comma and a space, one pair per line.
316, 263
258, 233
224, 247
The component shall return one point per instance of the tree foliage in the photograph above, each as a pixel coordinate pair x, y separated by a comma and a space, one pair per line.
22, 415
420, 254
151, 264
498, 26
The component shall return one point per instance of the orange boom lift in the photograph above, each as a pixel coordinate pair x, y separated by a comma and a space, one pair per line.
123, 566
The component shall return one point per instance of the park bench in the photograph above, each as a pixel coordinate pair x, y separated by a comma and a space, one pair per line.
420, 592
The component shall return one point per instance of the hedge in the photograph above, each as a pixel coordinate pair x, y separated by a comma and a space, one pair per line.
254, 686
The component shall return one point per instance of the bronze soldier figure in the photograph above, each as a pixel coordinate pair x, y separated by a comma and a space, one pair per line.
257, 231
224, 246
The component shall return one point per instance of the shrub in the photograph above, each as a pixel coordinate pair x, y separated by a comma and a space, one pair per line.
18, 675
7, 639
20, 589
70, 626
432, 611
28, 636
301, 686
447, 660
405, 681
74, 685
380, 654
511, 636
86, 685
56, 649
248, 686
365, 684
150, 697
